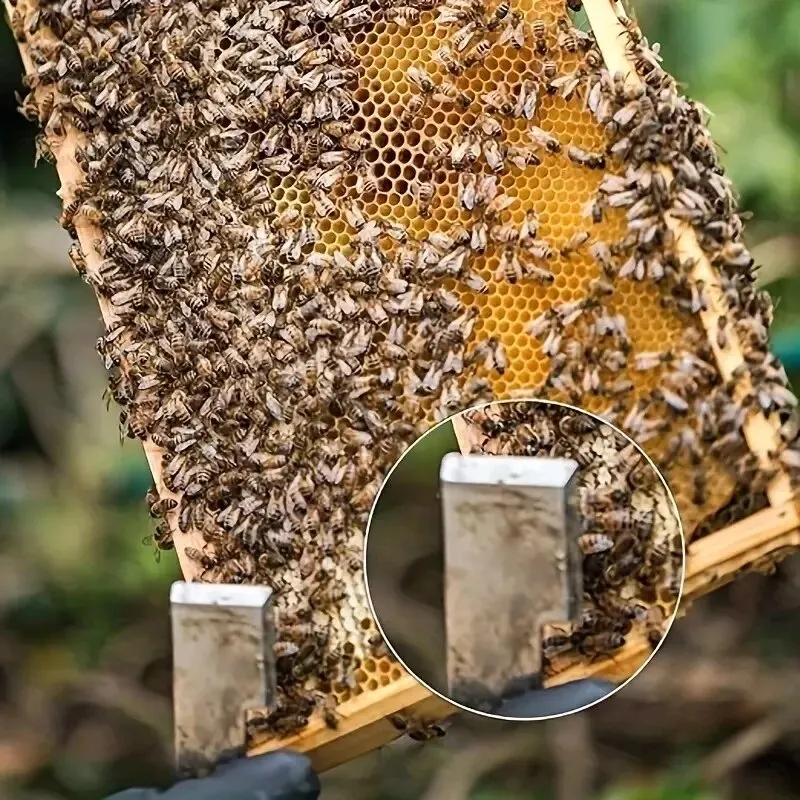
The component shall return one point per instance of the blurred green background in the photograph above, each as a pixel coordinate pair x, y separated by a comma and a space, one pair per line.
84, 633
405, 558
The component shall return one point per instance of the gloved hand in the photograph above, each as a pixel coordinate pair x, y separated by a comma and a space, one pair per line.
538, 703
273, 776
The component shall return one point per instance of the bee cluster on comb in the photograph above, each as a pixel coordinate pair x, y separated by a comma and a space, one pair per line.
316, 227
633, 553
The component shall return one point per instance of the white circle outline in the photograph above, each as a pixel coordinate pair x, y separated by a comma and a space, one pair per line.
675, 509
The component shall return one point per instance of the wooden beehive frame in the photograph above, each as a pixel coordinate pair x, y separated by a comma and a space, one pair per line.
761, 539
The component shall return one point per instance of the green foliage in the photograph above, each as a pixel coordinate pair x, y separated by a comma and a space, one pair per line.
741, 59
666, 789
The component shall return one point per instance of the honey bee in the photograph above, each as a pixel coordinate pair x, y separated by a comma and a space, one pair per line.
568, 38
205, 560
177, 342
543, 139
288, 725
527, 101
329, 712
539, 274
671, 399
77, 259
522, 157
420, 730
556, 643
82, 105
425, 191
499, 100
159, 506
653, 359
699, 486
285, 649
498, 355
421, 79
734, 255
478, 53
474, 282
464, 150
408, 15
161, 538
447, 92
722, 334
653, 620
513, 31
539, 33
625, 564
595, 208
475, 192
500, 13
445, 57
574, 243
592, 543
597, 645
494, 155
437, 155
412, 109
377, 646
510, 267
584, 158
399, 722
604, 498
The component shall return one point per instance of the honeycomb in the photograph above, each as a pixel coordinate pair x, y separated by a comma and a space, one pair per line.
557, 189
260, 200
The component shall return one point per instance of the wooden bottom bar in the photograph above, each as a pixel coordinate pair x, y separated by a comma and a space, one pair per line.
364, 724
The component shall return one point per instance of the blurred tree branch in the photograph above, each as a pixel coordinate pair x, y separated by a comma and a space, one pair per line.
458, 777
572, 751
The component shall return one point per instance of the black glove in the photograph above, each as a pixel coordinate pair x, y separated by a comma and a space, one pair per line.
538, 703
273, 776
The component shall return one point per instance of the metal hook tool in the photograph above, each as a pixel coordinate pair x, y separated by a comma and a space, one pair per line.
222, 646
512, 565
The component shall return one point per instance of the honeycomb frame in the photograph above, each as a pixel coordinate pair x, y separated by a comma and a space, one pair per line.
752, 543
756, 543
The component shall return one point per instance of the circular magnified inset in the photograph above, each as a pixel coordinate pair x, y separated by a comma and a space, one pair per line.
524, 559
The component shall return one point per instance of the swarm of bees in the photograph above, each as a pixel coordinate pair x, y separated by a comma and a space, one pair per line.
631, 536
690, 418
282, 338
